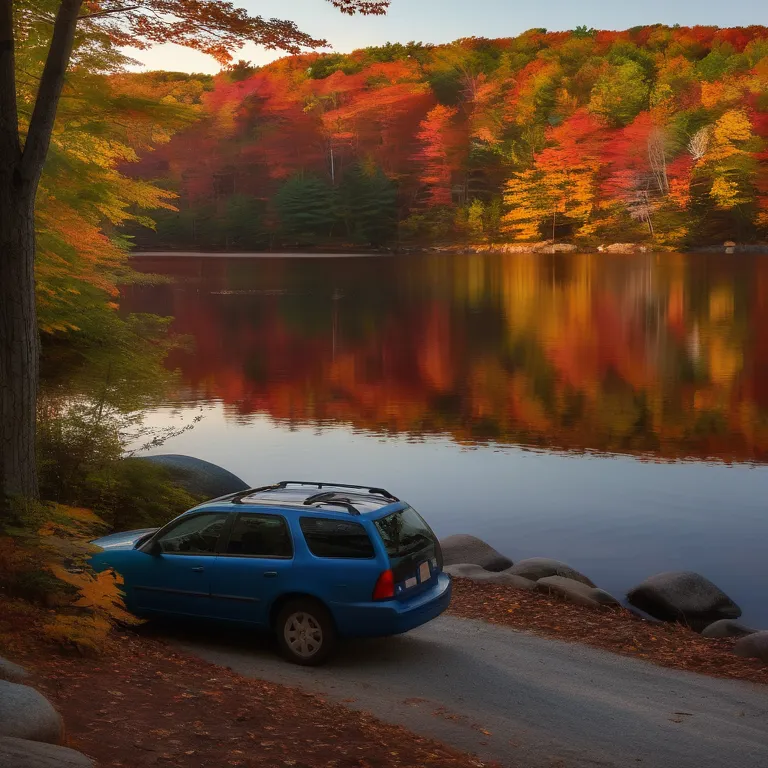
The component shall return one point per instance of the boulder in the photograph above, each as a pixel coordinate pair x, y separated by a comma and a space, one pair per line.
727, 628
683, 596
20, 753
11, 672
198, 477
476, 573
576, 591
754, 646
465, 549
27, 714
536, 568
603, 597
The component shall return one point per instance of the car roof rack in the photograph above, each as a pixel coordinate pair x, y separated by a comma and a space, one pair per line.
238, 497
369, 488
329, 497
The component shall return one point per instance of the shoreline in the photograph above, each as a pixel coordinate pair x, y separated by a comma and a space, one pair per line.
614, 630
676, 619
258, 254
501, 248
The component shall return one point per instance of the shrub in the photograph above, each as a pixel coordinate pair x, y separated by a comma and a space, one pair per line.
83, 464
47, 564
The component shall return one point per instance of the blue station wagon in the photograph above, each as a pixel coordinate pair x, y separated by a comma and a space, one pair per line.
311, 561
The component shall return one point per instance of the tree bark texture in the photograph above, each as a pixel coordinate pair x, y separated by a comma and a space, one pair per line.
19, 345
20, 172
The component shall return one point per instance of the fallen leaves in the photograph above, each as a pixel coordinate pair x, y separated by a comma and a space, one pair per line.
156, 706
670, 645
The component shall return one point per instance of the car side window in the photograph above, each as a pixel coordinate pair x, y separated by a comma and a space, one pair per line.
194, 535
336, 538
260, 536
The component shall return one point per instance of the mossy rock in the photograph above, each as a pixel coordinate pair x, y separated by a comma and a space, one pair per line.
199, 478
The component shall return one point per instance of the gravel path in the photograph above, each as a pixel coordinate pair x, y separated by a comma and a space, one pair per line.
527, 700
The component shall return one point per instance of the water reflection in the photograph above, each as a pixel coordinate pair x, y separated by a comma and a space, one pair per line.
663, 355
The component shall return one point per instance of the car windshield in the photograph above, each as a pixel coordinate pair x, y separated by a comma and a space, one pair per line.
405, 535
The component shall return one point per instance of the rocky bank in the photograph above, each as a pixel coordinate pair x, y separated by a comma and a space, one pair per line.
681, 597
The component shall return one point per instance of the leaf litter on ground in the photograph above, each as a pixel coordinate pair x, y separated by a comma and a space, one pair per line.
144, 704
612, 629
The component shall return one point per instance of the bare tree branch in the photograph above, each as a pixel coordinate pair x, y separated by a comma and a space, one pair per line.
51, 84
108, 12
699, 143
657, 157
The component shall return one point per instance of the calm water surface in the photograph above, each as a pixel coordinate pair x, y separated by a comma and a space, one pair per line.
611, 412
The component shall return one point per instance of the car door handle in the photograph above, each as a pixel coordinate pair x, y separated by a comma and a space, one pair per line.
199, 569
270, 574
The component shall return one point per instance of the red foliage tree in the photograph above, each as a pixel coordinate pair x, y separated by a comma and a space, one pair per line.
436, 158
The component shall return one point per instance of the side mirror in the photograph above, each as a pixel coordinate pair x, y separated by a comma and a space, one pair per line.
155, 548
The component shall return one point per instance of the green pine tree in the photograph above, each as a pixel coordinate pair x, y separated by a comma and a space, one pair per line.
369, 205
306, 208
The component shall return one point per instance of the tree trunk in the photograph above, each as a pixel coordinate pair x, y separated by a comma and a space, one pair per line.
20, 347
19, 176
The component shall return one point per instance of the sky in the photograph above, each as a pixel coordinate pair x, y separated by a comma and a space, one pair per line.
441, 21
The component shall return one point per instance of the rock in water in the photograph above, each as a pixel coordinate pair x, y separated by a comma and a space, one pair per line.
462, 549
536, 568
476, 573
727, 628
753, 646
198, 477
576, 591
20, 753
11, 672
27, 714
683, 596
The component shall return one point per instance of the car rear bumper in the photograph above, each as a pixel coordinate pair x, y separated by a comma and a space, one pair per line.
392, 617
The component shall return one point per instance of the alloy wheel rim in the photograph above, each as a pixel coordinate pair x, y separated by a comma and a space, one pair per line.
303, 634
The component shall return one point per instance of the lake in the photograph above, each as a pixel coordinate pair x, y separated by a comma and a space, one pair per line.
608, 411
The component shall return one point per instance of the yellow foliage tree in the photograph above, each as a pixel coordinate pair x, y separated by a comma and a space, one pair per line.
562, 185
44, 559
730, 159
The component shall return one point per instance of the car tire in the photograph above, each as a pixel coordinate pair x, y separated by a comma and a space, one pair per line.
305, 632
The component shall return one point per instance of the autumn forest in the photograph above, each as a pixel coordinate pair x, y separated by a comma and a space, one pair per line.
654, 135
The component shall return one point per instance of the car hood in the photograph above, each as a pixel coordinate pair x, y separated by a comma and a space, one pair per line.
125, 540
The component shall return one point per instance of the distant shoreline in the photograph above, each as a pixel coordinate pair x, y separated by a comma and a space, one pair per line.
743, 250
260, 254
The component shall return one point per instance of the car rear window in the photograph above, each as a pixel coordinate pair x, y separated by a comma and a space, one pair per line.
336, 538
407, 539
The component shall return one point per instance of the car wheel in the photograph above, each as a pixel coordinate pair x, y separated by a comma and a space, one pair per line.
305, 632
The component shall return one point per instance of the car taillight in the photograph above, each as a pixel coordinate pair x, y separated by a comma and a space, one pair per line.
385, 586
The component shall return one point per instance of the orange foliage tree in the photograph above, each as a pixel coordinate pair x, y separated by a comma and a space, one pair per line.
562, 182
436, 157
